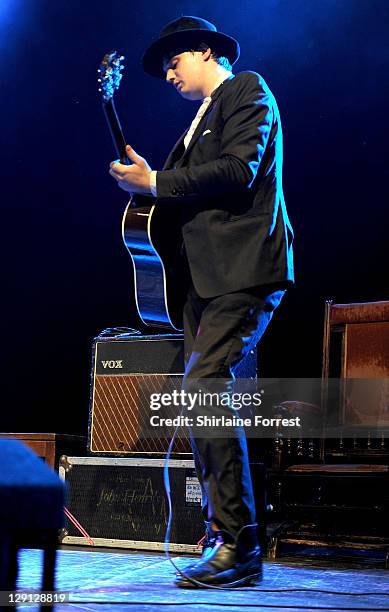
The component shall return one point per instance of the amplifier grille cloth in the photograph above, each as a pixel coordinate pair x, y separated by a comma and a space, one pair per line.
121, 411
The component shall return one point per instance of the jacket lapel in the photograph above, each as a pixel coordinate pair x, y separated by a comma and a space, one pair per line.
199, 130
169, 163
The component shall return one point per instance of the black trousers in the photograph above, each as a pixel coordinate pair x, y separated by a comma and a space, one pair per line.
218, 333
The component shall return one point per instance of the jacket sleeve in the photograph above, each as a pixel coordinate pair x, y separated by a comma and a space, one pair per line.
248, 116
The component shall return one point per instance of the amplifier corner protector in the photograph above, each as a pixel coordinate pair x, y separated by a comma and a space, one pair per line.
65, 463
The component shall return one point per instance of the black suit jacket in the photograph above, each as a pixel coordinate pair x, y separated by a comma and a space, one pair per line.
228, 184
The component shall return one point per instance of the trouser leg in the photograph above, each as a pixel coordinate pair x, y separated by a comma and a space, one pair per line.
219, 332
193, 310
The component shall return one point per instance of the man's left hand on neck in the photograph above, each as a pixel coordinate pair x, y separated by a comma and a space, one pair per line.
134, 178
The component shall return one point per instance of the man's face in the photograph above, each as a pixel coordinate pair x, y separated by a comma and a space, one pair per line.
185, 71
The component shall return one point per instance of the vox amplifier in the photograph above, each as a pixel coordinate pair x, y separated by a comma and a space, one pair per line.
126, 370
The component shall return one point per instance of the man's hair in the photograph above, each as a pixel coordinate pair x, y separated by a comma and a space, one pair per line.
219, 59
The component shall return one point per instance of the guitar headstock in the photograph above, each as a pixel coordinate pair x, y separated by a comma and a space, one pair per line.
110, 74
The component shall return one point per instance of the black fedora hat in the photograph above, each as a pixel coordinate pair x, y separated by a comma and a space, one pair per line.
184, 33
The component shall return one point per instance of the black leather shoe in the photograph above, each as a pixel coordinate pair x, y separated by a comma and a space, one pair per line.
226, 564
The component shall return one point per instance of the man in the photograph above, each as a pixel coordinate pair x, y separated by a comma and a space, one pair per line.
226, 174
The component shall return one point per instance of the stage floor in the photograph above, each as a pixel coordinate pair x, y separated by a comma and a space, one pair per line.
122, 581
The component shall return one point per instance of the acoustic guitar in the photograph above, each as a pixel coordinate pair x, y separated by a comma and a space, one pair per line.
151, 232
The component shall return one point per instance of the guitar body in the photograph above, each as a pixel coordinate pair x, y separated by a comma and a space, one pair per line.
152, 236
151, 233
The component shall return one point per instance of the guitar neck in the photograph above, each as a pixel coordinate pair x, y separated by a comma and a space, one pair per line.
116, 130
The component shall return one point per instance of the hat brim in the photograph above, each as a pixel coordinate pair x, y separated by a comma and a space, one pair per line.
152, 60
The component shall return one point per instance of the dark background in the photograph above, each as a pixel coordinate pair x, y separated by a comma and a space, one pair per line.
66, 274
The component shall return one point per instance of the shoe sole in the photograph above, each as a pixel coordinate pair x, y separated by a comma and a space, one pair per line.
250, 580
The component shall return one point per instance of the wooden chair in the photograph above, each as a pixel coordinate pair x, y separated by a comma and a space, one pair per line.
356, 351
349, 485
